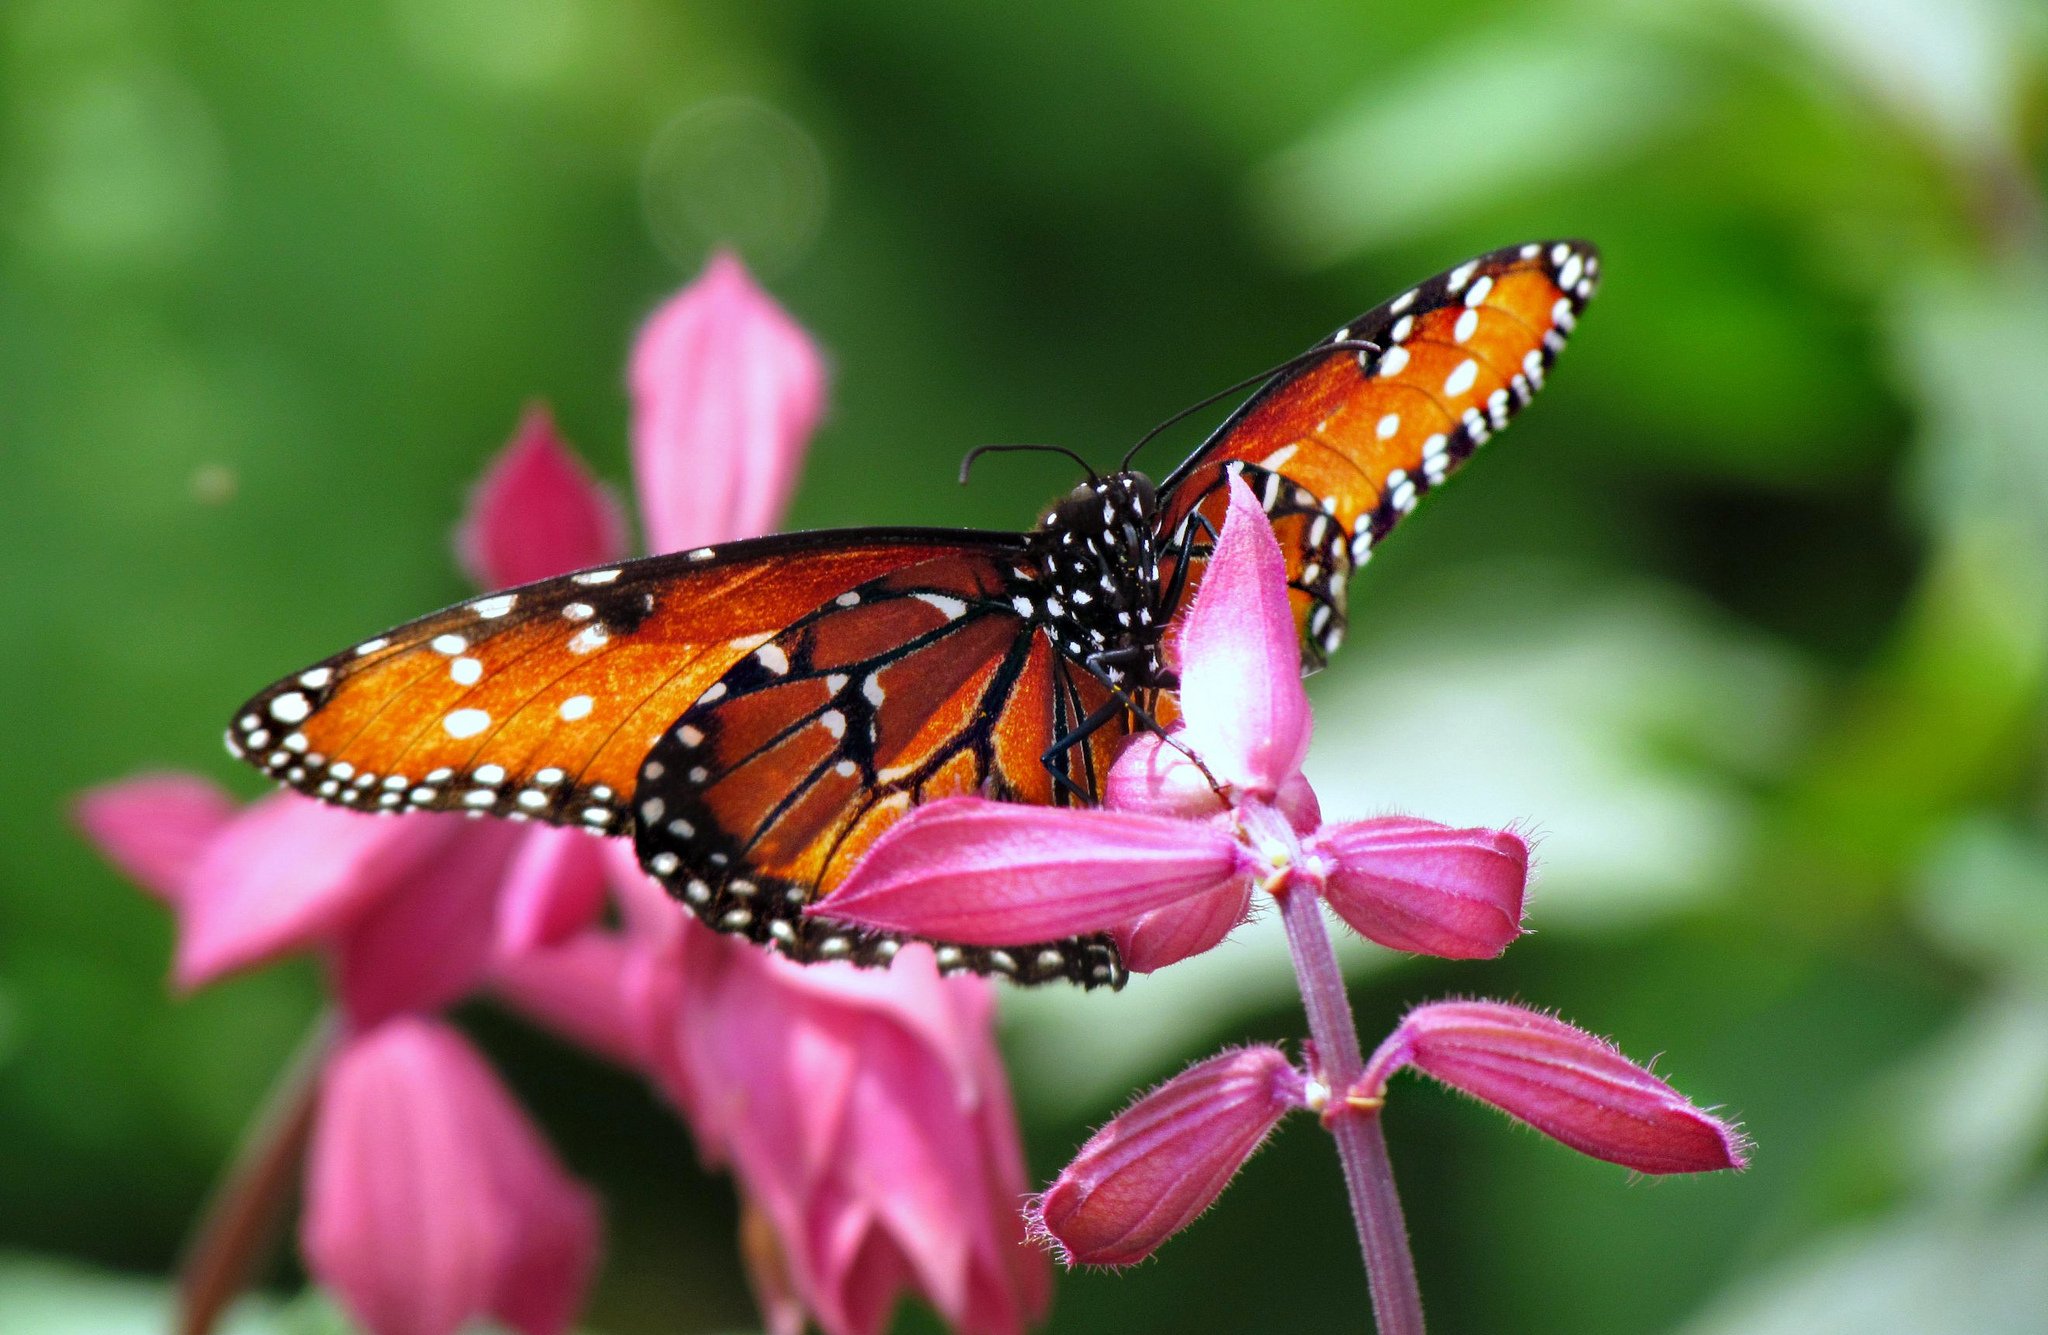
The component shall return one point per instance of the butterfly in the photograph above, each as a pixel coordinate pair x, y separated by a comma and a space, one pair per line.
754, 714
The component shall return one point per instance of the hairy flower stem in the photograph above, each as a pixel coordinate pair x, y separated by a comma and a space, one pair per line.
1375, 1206
241, 1222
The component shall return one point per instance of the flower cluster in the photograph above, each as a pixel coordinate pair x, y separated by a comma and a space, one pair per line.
1199, 819
865, 1116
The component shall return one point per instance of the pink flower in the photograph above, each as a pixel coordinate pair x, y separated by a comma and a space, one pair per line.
1166, 1158
1563, 1081
864, 1113
417, 912
1173, 871
537, 512
402, 907
726, 392
431, 1201
1202, 818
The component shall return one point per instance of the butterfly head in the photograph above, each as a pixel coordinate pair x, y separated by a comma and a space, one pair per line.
1097, 550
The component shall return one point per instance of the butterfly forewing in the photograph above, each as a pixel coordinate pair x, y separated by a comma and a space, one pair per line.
925, 683
540, 702
1341, 448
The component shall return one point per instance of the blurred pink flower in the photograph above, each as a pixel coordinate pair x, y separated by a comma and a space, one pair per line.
864, 1113
537, 512
431, 1201
415, 913
1561, 1080
1172, 872
401, 907
726, 392
1167, 1157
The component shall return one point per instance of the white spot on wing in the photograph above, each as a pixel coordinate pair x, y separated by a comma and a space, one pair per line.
466, 722
490, 609
575, 707
291, 707
1461, 379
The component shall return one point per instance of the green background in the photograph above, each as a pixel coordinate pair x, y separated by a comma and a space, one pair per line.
1747, 619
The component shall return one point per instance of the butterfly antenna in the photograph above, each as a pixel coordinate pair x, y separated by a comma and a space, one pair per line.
968, 461
1316, 353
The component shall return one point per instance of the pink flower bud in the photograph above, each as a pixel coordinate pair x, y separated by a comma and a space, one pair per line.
1415, 885
1241, 697
537, 512
430, 1199
726, 389
1166, 1158
1563, 1081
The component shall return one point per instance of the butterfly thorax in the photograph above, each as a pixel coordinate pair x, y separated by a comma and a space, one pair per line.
1096, 549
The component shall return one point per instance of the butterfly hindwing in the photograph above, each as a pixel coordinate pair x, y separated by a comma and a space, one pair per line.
1340, 448
928, 682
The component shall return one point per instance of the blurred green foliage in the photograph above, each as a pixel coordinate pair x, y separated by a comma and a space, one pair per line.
1748, 617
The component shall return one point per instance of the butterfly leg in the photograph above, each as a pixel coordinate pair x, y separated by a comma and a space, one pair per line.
1080, 733
1098, 666
1182, 560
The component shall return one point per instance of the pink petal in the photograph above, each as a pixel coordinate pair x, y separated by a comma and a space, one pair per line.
428, 943
431, 1201
1561, 1080
1000, 873
726, 391
154, 827
1241, 697
554, 889
1179, 931
1154, 776
555, 1229
576, 989
1415, 885
290, 872
874, 1132
1166, 1158
537, 512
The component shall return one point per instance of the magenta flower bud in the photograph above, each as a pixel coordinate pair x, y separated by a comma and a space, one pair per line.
431, 1200
1563, 1081
1241, 700
1166, 1158
726, 389
538, 512
1416, 885
1002, 874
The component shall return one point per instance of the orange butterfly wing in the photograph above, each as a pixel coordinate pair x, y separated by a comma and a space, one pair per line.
558, 700
1341, 448
540, 702
931, 681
